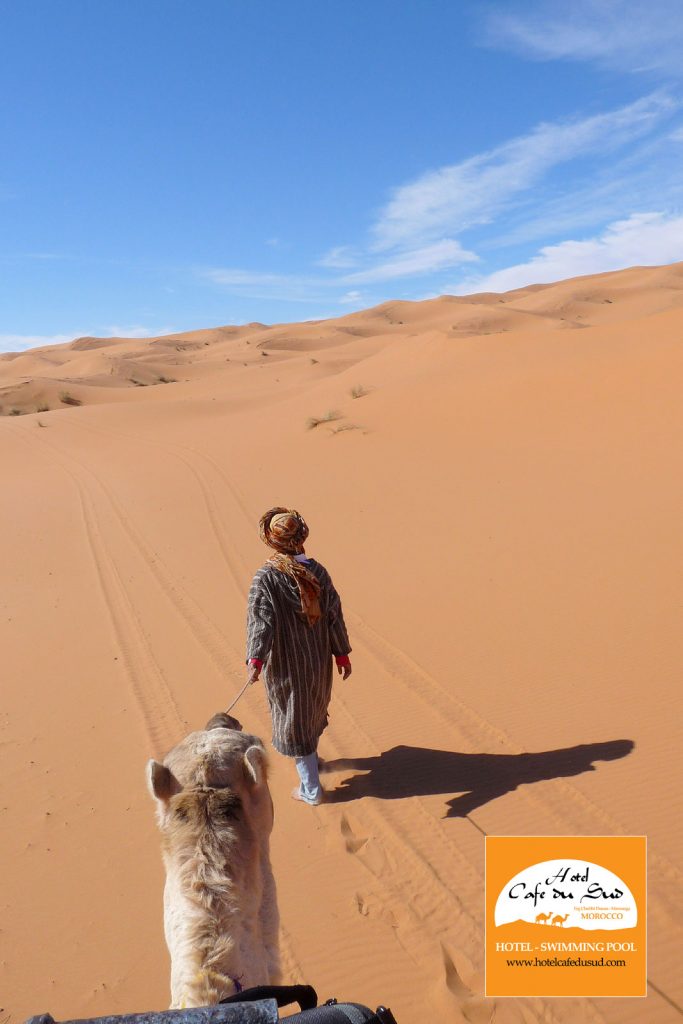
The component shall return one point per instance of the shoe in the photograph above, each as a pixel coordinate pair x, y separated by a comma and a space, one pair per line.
296, 795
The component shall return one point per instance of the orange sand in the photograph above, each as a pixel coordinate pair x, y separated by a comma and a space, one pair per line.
501, 512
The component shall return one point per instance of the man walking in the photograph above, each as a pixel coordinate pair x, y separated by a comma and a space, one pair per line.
295, 627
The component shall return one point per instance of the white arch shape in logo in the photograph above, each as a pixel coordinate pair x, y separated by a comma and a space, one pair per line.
588, 909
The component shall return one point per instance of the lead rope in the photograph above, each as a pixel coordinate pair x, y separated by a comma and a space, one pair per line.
248, 683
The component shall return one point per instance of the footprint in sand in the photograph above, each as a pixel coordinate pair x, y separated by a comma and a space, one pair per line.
369, 849
363, 908
371, 905
352, 842
474, 1009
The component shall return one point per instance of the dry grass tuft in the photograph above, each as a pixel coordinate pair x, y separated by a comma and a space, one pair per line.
68, 399
314, 421
359, 391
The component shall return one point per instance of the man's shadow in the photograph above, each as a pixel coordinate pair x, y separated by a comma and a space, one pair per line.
479, 778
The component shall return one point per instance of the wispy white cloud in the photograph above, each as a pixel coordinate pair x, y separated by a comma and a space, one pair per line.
45, 256
22, 342
456, 197
643, 239
133, 331
630, 35
517, 192
351, 298
429, 259
341, 257
238, 276
259, 285
646, 176
24, 257
415, 263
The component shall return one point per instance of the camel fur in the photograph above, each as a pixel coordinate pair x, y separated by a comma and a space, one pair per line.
215, 814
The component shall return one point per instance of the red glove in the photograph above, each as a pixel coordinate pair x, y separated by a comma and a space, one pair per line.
343, 665
255, 666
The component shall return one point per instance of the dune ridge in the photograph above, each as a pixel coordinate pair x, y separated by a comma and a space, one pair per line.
91, 366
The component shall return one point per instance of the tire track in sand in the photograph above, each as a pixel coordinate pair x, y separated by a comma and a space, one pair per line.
153, 695
162, 720
203, 630
239, 573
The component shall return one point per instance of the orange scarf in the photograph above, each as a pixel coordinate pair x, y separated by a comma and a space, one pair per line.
287, 535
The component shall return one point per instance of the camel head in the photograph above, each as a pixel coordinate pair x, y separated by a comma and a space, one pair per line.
215, 776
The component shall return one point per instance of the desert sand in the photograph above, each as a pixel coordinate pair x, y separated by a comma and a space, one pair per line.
494, 483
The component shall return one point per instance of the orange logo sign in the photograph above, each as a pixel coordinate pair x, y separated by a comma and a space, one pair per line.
565, 916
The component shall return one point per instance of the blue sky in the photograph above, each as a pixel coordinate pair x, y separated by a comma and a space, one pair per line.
176, 164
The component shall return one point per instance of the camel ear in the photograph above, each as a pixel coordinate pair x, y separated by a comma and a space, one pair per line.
160, 781
256, 765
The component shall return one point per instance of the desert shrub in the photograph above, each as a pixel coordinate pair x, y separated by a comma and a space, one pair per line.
68, 399
314, 421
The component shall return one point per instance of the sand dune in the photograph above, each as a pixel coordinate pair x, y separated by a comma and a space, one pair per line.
494, 483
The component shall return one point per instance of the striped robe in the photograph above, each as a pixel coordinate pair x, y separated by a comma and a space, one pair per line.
297, 658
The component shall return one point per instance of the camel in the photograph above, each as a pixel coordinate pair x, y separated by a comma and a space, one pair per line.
559, 919
215, 814
543, 918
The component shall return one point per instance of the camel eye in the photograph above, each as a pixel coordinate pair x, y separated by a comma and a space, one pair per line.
227, 808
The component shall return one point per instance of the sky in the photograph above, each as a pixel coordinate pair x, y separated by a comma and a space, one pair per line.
178, 164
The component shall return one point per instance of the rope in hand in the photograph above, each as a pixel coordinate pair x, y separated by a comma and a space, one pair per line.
248, 683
